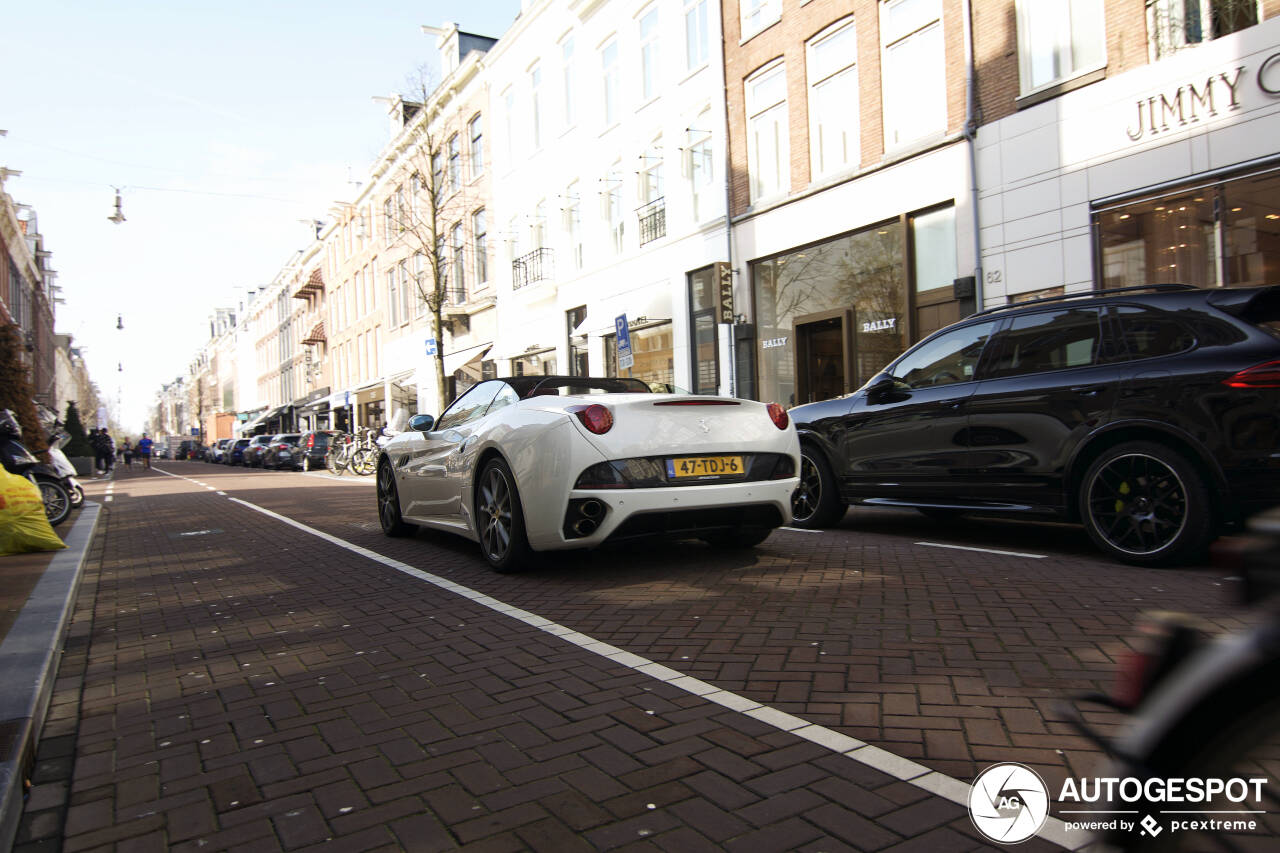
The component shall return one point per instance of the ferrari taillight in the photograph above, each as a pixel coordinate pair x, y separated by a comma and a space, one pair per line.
596, 418
1266, 375
779, 416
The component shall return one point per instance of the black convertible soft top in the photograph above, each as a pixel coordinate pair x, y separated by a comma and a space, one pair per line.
533, 386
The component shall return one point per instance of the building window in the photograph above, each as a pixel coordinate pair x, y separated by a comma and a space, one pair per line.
1175, 24
573, 223
609, 74
914, 75
540, 363
408, 293
455, 163
459, 294
479, 241
567, 76
833, 99
653, 351
703, 304
535, 105
767, 142
419, 284
476, 133
755, 15
695, 34
508, 118
862, 273
699, 154
611, 200
388, 221
1058, 41
933, 248
538, 226
1222, 236
649, 55
574, 319
393, 298
651, 184
415, 190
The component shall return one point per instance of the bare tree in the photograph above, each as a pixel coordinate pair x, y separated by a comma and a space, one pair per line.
421, 212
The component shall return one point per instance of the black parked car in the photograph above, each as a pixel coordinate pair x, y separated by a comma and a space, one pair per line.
282, 452
1151, 415
314, 446
253, 452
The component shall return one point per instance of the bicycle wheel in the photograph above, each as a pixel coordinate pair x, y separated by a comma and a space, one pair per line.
364, 461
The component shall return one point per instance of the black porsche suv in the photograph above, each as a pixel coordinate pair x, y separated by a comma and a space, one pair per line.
1151, 415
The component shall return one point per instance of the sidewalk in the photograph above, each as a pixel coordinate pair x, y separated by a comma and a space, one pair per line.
36, 594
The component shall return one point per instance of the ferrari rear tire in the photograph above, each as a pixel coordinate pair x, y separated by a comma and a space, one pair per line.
499, 519
393, 523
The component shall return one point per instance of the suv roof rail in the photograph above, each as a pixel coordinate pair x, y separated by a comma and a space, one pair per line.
1090, 294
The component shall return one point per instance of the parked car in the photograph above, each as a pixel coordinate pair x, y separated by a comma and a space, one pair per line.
217, 450
253, 452
314, 446
544, 463
235, 452
1151, 415
282, 452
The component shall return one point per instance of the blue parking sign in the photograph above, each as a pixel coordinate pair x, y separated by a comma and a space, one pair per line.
431, 346
625, 358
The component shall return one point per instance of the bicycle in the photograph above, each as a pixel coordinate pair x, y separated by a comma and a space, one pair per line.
364, 456
338, 458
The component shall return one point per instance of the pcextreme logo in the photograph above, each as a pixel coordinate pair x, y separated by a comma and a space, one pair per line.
1008, 803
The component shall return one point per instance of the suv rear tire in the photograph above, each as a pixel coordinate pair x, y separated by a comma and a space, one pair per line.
816, 502
1146, 504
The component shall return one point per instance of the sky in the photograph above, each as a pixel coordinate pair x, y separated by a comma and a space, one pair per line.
227, 127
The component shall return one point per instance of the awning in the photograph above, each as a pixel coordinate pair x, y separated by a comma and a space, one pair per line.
461, 359
642, 306
316, 335
313, 284
251, 424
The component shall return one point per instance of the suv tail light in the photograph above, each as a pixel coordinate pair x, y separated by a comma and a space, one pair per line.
311, 441
595, 417
1266, 375
779, 416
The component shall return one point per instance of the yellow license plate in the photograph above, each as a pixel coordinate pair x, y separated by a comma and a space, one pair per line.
705, 466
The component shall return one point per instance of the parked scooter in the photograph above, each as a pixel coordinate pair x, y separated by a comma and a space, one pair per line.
18, 460
64, 467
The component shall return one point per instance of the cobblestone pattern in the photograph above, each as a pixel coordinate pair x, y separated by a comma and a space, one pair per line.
232, 683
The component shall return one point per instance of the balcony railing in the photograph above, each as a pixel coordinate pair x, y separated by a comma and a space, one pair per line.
653, 220
532, 268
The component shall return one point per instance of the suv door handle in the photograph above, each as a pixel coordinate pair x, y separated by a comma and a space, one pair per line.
1088, 390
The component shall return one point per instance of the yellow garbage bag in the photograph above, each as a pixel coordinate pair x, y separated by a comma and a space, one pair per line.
23, 524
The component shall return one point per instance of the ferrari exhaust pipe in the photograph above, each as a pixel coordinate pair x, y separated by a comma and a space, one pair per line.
585, 527
591, 509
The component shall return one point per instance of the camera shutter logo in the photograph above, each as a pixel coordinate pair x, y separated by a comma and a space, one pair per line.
1008, 803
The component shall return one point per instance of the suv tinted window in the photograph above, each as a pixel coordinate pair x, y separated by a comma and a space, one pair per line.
949, 357
1147, 333
1048, 340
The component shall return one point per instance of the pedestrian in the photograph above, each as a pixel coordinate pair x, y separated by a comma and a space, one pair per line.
127, 450
109, 450
98, 439
143, 450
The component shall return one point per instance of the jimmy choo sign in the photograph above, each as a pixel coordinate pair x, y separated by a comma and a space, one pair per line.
1189, 103
1195, 100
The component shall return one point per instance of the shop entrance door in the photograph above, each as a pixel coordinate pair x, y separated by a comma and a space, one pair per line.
823, 351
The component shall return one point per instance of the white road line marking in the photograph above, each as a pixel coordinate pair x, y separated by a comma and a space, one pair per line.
939, 784
984, 550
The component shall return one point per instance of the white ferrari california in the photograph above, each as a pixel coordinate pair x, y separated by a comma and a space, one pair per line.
545, 463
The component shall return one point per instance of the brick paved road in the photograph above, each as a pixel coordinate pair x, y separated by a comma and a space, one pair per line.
233, 682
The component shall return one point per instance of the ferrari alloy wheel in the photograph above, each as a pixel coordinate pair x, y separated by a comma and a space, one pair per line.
500, 519
1145, 504
815, 502
393, 523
